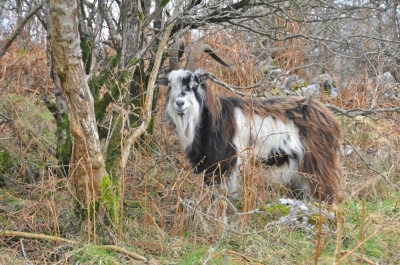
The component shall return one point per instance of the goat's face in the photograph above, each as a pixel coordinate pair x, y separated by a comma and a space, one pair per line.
186, 93
186, 100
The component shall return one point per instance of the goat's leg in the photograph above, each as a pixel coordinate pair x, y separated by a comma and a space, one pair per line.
229, 183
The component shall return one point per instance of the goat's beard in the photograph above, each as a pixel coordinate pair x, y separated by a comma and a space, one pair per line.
186, 124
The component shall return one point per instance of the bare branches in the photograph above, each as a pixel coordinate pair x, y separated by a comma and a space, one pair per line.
366, 163
352, 113
4, 118
18, 30
231, 88
135, 134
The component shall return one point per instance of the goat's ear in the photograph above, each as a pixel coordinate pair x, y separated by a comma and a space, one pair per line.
203, 78
162, 81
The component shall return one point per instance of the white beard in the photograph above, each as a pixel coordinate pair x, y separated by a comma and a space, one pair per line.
185, 124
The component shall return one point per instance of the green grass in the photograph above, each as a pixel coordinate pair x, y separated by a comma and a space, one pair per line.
94, 255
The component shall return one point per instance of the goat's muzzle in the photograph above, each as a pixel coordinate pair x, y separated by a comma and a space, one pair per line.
180, 106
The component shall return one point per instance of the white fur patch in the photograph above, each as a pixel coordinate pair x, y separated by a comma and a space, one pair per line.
256, 137
183, 109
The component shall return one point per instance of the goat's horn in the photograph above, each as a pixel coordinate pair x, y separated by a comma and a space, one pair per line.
194, 53
175, 53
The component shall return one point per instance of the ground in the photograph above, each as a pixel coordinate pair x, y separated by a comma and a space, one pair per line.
169, 217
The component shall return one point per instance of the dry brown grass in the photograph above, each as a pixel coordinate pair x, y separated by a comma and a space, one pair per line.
168, 213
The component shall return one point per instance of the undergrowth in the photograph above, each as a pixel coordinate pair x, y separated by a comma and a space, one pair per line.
168, 215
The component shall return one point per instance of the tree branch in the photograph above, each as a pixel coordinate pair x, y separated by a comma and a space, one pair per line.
137, 132
10, 40
231, 88
367, 164
360, 111
8, 233
351, 113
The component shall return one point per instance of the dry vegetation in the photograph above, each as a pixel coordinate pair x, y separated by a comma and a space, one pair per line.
166, 209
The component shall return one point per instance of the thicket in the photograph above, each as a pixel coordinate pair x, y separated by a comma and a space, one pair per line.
166, 209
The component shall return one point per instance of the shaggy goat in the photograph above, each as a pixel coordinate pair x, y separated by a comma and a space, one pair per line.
297, 138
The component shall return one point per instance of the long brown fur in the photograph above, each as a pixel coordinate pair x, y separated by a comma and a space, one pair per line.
319, 132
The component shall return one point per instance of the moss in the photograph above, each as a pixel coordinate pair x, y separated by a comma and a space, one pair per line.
114, 147
33, 129
97, 82
278, 209
64, 146
86, 47
110, 201
10, 202
164, 3
276, 64
6, 163
272, 212
111, 191
95, 255
298, 86
316, 219
100, 103
134, 59
52, 107
63, 136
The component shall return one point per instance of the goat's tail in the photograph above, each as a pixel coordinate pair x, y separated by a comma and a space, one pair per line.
320, 133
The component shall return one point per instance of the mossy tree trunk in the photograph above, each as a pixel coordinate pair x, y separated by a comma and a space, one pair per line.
88, 171
127, 81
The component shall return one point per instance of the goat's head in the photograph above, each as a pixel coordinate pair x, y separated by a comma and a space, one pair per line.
186, 87
186, 98
187, 94
186, 91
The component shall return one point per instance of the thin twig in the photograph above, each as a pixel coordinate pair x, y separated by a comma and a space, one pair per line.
247, 258
364, 259
23, 251
5, 117
18, 30
124, 251
362, 228
231, 88
352, 113
139, 130
8, 233
351, 252
367, 164
269, 226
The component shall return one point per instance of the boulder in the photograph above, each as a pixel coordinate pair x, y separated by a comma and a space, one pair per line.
327, 84
388, 85
294, 83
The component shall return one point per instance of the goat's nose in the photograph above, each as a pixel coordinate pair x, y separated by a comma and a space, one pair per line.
179, 103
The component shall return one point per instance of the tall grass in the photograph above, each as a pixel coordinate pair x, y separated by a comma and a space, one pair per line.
168, 215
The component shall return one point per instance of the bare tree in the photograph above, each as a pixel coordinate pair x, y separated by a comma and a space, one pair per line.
105, 67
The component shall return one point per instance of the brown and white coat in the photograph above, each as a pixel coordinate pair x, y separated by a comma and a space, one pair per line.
296, 138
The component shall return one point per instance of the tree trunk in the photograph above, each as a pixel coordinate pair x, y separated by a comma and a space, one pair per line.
87, 162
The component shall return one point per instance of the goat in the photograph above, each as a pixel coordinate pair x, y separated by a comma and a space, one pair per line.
297, 138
